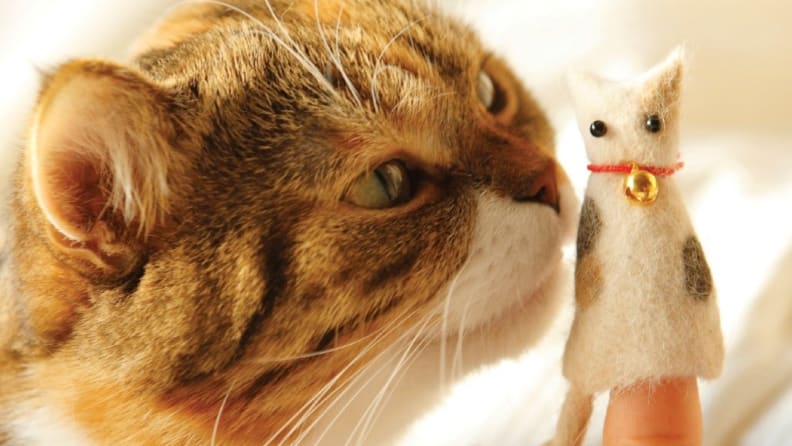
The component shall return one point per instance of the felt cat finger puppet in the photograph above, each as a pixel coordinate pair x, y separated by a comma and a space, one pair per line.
645, 303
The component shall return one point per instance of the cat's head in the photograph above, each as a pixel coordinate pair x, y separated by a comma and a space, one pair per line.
268, 194
635, 121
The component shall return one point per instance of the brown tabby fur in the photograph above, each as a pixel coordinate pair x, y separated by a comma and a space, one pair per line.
168, 303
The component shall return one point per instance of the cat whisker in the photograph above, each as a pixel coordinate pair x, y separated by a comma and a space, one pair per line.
457, 364
301, 415
337, 47
279, 22
374, 409
374, 91
302, 57
344, 388
315, 72
216, 425
352, 381
405, 98
310, 406
339, 393
335, 57
287, 35
290, 46
384, 394
444, 324
313, 354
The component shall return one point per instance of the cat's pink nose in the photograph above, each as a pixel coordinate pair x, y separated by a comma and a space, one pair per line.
543, 188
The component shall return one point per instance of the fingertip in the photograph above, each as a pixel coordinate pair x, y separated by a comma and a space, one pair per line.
655, 414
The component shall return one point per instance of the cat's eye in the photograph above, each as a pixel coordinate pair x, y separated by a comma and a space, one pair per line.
386, 186
486, 90
598, 129
654, 124
497, 90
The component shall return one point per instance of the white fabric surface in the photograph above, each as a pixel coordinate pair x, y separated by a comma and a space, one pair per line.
735, 141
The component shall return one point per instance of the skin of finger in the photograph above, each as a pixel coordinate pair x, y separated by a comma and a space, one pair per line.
655, 414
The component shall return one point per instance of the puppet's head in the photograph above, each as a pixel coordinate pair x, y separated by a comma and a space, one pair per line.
629, 121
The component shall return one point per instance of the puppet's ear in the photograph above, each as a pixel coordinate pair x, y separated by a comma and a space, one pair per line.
100, 159
581, 84
664, 81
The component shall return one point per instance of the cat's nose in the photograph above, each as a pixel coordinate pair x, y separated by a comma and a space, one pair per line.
543, 188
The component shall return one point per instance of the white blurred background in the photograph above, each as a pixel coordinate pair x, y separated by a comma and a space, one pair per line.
736, 142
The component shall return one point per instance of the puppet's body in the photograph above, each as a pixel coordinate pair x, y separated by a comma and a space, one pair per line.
646, 307
645, 303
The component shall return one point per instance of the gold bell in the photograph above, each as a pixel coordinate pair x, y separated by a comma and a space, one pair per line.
640, 186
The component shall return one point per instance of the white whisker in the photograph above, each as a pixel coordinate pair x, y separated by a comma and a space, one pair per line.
301, 415
425, 99
344, 388
310, 405
457, 364
374, 92
384, 394
288, 37
349, 385
337, 47
341, 391
444, 324
312, 354
336, 57
216, 426
338, 393
290, 47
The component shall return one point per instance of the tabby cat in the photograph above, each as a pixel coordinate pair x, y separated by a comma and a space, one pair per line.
281, 222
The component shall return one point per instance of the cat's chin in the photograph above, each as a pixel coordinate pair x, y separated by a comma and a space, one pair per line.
511, 276
518, 325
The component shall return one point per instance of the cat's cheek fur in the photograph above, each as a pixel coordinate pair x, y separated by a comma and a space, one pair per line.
516, 248
514, 282
505, 297
44, 426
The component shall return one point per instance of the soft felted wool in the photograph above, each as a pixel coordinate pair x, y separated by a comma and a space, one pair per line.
646, 307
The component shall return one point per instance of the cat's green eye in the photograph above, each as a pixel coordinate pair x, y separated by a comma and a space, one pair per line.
486, 90
386, 186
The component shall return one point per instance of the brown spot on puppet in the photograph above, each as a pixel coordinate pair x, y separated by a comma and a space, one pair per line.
698, 279
646, 305
588, 279
589, 228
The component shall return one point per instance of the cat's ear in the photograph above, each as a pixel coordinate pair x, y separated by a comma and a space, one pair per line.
101, 159
664, 81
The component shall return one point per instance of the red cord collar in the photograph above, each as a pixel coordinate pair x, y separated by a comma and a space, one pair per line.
628, 167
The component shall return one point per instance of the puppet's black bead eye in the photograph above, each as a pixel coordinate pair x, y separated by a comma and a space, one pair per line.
654, 124
598, 129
